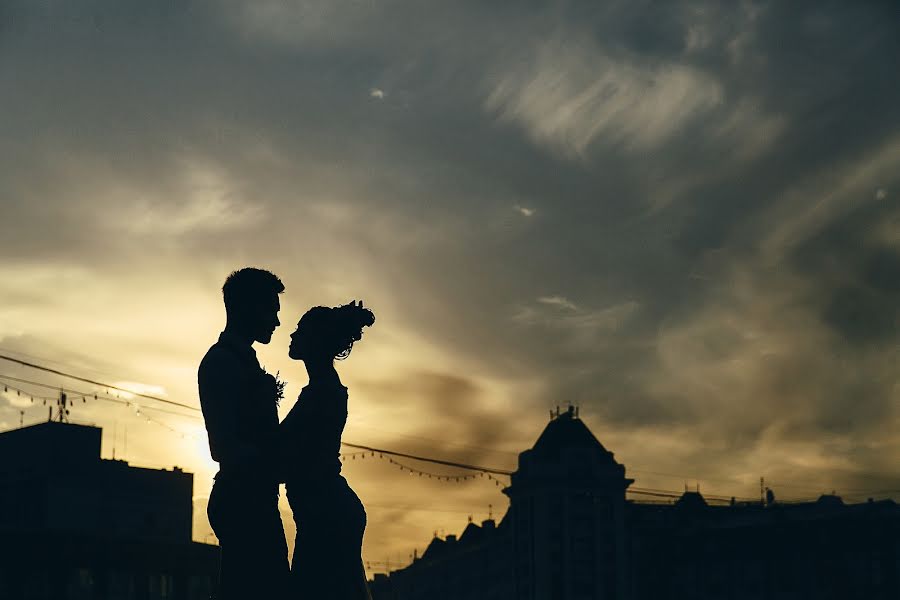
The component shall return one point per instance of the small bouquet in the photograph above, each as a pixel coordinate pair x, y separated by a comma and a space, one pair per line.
273, 387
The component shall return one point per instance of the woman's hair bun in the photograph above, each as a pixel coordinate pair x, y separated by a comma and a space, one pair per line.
350, 319
334, 330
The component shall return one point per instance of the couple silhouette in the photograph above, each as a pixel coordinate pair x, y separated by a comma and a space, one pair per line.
256, 453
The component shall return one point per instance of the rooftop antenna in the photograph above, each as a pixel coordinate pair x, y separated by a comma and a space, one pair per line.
62, 411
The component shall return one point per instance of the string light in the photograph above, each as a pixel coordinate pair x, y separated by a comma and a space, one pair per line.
170, 428
482, 471
421, 473
74, 394
20, 393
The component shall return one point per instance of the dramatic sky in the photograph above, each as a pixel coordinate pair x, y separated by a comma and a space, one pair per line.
681, 217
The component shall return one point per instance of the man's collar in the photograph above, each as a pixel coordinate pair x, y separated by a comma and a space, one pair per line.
235, 342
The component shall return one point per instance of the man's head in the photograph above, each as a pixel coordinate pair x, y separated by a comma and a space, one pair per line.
251, 302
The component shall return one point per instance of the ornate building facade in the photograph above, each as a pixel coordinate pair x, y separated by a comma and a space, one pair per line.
571, 534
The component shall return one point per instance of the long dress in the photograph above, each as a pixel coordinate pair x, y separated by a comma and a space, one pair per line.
330, 519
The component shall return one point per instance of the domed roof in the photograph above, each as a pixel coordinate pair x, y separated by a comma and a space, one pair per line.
691, 500
567, 453
566, 431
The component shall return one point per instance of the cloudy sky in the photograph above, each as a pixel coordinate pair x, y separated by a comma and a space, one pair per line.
681, 217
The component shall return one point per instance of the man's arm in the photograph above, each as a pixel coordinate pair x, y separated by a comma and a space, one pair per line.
219, 379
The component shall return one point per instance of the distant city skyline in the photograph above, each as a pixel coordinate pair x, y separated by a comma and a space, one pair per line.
570, 533
679, 216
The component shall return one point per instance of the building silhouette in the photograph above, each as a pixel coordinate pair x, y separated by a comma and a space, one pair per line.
571, 534
73, 525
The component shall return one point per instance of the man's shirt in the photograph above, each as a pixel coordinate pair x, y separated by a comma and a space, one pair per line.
241, 420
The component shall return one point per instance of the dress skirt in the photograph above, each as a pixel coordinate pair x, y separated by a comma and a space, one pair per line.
327, 560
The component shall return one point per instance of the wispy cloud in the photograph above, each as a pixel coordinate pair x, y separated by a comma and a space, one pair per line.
570, 93
208, 202
812, 204
558, 301
134, 387
524, 210
560, 313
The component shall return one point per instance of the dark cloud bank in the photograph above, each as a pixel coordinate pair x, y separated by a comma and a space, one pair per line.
682, 217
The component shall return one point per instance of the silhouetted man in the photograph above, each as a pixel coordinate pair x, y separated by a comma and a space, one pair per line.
239, 407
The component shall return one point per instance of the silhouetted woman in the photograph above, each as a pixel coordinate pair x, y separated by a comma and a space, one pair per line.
330, 518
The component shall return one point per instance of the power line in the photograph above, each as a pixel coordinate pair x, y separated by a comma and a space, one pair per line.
381, 451
681, 477
87, 395
671, 494
418, 508
196, 410
20, 392
30, 382
172, 402
348, 444
98, 383
437, 461
442, 443
412, 470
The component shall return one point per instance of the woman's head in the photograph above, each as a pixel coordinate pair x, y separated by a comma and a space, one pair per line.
325, 333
